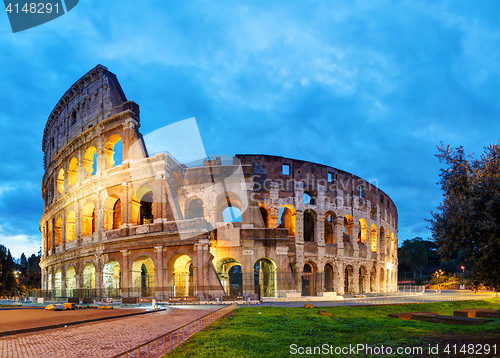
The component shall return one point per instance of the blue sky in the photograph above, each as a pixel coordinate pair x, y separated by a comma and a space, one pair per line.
369, 87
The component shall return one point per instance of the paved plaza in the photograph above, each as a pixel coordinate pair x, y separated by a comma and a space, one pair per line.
100, 339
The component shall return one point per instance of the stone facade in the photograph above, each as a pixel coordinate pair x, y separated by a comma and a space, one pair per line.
150, 226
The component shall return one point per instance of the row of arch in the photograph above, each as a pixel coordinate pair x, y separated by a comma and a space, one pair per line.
142, 213
67, 282
371, 237
113, 156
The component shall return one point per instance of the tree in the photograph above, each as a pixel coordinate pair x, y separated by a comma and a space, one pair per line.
413, 254
468, 219
24, 264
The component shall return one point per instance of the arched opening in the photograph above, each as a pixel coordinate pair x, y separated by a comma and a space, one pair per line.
90, 161
60, 181
229, 208
392, 242
49, 235
330, 218
88, 279
308, 286
70, 226
49, 281
112, 279
381, 281
309, 197
373, 278
58, 283
195, 209
143, 276
230, 276
362, 279
348, 275
347, 228
231, 214
265, 216
362, 231
373, 238
70, 281
286, 219
309, 225
388, 241
382, 239
265, 277
113, 151
112, 212
58, 230
329, 278
88, 219
142, 206
72, 172
182, 279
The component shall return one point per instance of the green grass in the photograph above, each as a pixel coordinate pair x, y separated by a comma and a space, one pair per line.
269, 331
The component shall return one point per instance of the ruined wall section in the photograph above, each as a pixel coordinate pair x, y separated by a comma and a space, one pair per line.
87, 102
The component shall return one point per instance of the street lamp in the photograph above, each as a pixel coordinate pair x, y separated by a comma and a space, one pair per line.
463, 270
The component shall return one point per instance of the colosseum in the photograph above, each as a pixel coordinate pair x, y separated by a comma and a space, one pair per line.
120, 223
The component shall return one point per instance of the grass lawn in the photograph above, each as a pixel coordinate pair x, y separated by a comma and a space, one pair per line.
270, 332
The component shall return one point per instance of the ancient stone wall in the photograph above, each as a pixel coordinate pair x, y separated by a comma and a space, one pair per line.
250, 225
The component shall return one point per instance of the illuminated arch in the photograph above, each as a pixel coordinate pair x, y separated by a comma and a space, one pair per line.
72, 172
373, 238
286, 219
143, 278
264, 213
112, 278
60, 181
88, 278
230, 275
58, 283
88, 219
70, 281
90, 161
362, 236
142, 206
70, 226
265, 277
329, 231
58, 230
112, 212
109, 150
347, 228
181, 275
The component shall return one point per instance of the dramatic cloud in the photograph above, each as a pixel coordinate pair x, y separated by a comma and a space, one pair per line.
370, 87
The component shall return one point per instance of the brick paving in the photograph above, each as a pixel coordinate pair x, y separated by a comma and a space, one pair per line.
100, 339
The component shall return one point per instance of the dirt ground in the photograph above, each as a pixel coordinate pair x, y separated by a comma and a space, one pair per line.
29, 318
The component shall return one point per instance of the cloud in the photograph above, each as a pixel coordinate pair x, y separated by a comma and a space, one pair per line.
367, 87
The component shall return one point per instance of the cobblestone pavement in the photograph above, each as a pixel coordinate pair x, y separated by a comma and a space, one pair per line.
100, 339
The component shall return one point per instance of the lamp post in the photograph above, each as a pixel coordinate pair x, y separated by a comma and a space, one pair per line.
463, 269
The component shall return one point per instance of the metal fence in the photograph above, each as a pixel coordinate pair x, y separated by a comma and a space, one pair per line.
374, 301
165, 343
